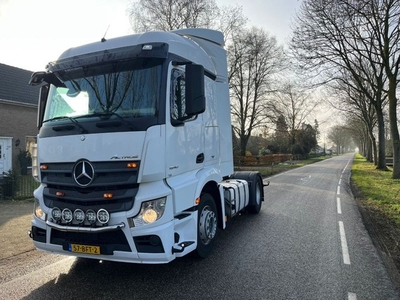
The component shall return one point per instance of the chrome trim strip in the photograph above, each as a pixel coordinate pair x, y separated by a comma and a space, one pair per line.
85, 229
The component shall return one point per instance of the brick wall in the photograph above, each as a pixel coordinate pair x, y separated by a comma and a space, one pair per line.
18, 121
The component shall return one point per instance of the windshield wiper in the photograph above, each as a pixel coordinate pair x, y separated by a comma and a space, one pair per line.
73, 120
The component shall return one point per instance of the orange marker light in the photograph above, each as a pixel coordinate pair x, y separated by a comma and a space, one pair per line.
197, 201
108, 196
44, 167
131, 165
60, 194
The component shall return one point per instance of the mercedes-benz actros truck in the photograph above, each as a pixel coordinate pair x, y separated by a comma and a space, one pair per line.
134, 150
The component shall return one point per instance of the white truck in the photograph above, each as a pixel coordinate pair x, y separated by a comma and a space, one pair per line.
134, 151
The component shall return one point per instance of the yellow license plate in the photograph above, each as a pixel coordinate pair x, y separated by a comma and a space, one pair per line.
84, 249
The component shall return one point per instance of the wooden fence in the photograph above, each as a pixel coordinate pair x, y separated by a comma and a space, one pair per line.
17, 187
262, 160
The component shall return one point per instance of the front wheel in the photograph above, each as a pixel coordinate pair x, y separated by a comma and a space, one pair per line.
207, 226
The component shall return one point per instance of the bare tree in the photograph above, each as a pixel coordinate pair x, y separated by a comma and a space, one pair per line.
166, 15
332, 38
254, 59
383, 17
294, 105
357, 105
360, 135
341, 137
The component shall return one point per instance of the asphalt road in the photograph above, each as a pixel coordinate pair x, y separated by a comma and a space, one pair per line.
308, 242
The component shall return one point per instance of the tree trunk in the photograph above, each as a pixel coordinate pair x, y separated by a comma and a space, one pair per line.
394, 130
381, 140
243, 146
244, 139
368, 155
373, 155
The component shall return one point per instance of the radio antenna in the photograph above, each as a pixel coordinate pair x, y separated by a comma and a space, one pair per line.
103, 39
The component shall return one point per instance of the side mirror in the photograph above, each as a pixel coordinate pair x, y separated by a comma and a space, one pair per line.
44, 91
37, 78
195, 95
40, 77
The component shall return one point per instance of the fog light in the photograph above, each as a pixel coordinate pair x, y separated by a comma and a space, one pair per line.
66, 215
103, 216
91, 216
56, 214
79, 215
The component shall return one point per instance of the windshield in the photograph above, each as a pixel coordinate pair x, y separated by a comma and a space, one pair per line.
124, 89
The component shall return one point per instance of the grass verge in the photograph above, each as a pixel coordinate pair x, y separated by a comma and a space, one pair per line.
380, 192
378, 197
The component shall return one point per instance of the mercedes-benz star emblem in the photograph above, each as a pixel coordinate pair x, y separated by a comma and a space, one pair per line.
83, 173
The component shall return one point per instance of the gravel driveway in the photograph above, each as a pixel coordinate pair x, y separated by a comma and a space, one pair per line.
15, 221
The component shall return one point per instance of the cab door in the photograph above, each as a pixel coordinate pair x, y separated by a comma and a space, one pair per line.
185, 135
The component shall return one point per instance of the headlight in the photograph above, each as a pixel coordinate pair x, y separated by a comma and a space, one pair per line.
150, 212
38, 212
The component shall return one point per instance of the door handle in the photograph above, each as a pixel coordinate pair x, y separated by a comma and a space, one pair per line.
200, 158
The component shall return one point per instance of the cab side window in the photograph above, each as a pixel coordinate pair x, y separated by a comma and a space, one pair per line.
178, 87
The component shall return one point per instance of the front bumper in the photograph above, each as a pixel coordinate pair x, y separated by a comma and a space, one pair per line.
151, 244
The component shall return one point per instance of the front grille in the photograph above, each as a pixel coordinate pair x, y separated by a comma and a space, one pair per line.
109, 177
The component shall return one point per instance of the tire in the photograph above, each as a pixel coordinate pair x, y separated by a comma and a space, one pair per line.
207, 226
256, 193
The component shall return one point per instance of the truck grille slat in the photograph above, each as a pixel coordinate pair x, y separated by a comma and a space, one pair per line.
108, 177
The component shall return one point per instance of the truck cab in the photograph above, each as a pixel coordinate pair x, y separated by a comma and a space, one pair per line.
134, 151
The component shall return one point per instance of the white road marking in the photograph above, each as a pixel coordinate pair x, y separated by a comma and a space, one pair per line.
338, 190
352, 296
339, 206
345, 249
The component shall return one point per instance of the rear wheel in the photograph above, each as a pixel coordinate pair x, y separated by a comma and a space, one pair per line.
207, 226
256, 193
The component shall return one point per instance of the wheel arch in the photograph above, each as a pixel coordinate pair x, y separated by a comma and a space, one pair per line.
209, 180
212, 188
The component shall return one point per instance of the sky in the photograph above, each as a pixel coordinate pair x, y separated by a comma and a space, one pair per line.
35, 32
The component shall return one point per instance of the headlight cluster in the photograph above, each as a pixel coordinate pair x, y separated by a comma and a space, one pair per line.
150, 211
78, 216
39, 213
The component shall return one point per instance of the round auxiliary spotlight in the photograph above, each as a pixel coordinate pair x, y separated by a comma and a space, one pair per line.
66, 215
56, 214
91, 216
103, 216
79, 215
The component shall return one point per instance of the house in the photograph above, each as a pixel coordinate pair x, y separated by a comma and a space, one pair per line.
18, 107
